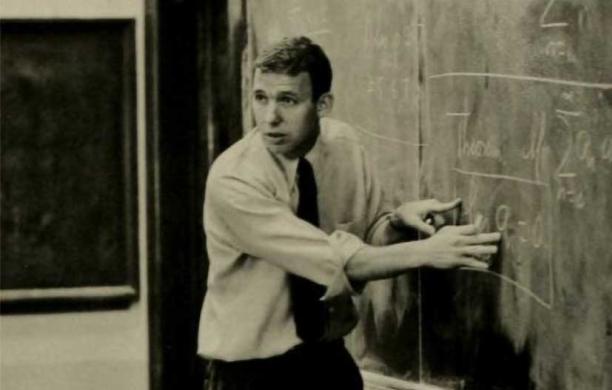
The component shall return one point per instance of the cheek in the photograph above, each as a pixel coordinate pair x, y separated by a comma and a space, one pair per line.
257, 113
302, 127
306, 120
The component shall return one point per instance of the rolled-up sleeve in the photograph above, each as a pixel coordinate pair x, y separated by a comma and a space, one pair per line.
265, 228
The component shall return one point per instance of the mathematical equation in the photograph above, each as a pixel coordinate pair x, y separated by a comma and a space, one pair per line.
575, 152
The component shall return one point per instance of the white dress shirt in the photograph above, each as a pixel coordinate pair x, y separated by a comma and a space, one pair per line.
254, 240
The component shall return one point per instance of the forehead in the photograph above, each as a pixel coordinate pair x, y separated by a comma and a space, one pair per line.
279, 82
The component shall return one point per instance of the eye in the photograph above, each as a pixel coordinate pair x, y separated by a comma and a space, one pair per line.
287, 100
260, 98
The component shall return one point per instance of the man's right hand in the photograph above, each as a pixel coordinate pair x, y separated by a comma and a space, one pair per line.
449, 247
459, 246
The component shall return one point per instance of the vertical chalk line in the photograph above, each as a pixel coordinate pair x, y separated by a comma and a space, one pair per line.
422, 116
551, 281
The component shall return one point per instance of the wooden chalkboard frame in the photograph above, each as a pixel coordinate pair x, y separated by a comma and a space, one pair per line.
102, 295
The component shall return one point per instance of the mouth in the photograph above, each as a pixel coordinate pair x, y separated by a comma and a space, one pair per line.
275, 137
274, 134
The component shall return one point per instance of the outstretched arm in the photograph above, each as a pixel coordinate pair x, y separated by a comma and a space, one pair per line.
451, 246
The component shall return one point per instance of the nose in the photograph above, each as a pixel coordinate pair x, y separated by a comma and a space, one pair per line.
272, 115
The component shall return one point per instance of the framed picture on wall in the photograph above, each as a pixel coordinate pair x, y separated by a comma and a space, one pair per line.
68, 181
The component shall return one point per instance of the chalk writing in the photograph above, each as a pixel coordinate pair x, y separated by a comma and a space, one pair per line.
544, 16
568, 96
501, 177
385, 138
473, 147
566, 116
606, 149
392, 46
306, 23
521, 235
566, 188
375, 36
568, 113
536, 139
573, 83
570, 190
518, 286
582, 148
532, 233
585, 149
502, 216
389, 89
471, 202
517, 233
476, 147
527, 232
559, 50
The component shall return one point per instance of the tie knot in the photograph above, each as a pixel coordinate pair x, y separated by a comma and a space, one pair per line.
306, 178
304, 166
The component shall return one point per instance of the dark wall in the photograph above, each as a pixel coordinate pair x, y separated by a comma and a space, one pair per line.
193, 116
175, 274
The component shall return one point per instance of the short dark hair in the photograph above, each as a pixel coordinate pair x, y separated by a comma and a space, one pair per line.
292, 56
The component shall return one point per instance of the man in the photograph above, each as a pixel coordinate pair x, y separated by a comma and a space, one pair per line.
295, 223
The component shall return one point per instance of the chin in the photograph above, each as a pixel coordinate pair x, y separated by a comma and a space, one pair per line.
283, 150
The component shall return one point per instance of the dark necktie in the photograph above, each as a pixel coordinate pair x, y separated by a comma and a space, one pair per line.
309, 312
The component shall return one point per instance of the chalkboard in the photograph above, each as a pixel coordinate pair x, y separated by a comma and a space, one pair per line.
518, 122
508, 105
68, 161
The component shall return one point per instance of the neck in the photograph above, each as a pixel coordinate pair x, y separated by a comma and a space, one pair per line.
305, 147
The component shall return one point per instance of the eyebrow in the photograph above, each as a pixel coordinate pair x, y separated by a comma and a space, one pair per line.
288, 93
281, 93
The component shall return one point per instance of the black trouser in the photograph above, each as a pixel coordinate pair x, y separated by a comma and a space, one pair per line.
313, 366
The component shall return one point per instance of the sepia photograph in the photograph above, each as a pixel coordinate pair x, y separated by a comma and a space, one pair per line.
306, 195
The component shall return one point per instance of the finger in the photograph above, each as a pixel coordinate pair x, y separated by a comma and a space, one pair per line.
482, 238
480, 250
438, 206
471, 263
464, 229
423, 227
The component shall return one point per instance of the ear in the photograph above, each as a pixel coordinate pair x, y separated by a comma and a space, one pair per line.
325, 104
